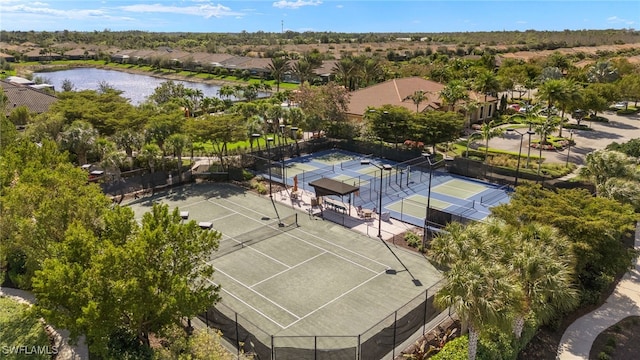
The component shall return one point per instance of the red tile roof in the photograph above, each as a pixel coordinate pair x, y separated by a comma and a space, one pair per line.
395, 92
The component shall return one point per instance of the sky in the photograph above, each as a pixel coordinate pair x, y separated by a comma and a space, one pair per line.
351, 16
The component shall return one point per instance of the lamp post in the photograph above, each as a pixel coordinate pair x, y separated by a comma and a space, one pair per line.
256, 137
294, 136
269, 140
428, 156
382, 167
569, 148
529, 132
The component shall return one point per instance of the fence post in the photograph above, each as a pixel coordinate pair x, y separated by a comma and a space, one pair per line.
237, 335
315, 347
424, 322
395, 326
273, 350
359, 349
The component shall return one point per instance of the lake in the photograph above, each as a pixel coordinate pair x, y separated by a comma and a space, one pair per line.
135, 87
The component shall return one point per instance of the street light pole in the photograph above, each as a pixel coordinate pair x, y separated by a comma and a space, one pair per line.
381, 168
510, 130
569, 148
269, 140
428, 210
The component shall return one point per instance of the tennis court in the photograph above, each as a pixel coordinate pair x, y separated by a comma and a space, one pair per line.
304, 278
405, 186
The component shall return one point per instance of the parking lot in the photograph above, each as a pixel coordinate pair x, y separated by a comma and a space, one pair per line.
619, 129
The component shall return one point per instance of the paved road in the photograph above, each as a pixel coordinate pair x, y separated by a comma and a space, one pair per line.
619, 129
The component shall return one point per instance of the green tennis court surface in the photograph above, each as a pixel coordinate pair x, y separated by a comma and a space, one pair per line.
318, 278
459, 188
416, 205
298, 168
351, 180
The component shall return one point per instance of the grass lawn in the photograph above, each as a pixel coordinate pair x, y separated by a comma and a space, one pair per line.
20, 327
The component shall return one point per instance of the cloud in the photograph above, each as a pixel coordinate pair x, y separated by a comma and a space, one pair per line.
206, 10
38, 8
617, 20
284, 4
339, 6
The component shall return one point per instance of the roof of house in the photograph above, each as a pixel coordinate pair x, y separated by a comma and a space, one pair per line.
397, 92
35, 100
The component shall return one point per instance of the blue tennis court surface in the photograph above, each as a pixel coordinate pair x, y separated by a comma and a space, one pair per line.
405, 187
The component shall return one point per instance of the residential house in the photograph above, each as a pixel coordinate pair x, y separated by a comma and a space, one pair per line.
397, 92
20, 95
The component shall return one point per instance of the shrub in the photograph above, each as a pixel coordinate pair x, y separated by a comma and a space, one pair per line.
603, 356
413, 240
455, 349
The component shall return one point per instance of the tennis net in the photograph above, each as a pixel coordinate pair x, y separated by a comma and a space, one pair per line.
273, 229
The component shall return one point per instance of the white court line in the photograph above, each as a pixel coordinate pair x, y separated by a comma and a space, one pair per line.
334, 254
329, 242
335, 299
222, 217
250, 247
251, 307
284, 271
257, 293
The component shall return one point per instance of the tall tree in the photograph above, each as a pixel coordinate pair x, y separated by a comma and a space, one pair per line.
453, 92
128, 279
278, 67
602, 72
79, 137
417, 98
488, 131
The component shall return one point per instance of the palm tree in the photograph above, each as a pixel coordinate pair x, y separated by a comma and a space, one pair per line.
178, 142
453, 92
128, 140
485, 83
542, 265
481, 293
345, 70
79, 137
602, 72
571, 94
226, 91
544, 129
278, 67
550, 91
417, 97
603, 165
303, 70
371, 71
488, 131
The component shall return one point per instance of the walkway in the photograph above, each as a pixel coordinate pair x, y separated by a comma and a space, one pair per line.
65, 350
623, 302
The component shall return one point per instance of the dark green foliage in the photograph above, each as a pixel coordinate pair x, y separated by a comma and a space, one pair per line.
597, 228
631, 147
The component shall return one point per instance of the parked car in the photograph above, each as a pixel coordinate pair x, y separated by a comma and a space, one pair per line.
545, 110
621, 105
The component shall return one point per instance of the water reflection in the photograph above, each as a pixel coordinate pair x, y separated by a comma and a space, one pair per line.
135, 87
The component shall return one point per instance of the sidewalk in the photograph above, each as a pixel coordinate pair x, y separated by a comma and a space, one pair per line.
623, 302
65, 350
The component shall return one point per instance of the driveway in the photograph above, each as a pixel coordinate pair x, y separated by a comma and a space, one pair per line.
619, 129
